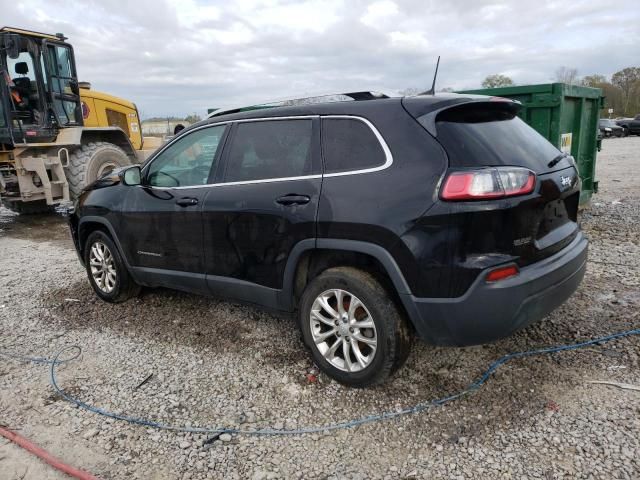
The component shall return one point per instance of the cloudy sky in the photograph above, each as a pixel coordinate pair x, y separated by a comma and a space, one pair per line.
175, 57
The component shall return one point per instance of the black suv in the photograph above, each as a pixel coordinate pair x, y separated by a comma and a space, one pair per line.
373, 220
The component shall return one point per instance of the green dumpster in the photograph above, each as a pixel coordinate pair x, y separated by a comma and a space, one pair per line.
567, 116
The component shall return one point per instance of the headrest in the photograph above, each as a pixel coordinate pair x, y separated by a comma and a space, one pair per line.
22, 68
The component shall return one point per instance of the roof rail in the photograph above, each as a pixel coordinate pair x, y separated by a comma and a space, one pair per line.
31, 33
307, 99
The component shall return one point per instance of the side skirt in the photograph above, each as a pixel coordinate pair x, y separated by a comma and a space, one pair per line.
210, 285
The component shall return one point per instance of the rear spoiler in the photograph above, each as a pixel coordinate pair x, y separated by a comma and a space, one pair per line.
427, 112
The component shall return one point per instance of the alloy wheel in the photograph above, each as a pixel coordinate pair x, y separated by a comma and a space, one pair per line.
103, 269
343, 330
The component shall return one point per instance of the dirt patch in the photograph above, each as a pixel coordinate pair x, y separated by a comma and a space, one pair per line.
159, 314
38, 228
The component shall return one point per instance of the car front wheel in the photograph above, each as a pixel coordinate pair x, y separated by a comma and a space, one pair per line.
106, 270
355, 332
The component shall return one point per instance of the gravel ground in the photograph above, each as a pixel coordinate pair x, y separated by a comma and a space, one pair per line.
216, 363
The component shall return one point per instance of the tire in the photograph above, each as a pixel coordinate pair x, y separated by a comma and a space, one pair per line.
390, 333
115, 284
90, 161
28, 208
625, 132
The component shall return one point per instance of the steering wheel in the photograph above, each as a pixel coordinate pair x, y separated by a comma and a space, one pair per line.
200, 174
174, 179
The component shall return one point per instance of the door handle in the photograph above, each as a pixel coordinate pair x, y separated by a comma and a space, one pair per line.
293, 199
187, 201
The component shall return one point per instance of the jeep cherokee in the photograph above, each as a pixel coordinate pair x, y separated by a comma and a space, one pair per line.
444, 217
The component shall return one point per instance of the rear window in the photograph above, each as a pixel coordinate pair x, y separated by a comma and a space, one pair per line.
491, 135
349, 144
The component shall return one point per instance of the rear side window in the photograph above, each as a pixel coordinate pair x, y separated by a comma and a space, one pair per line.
491, 135
349, 144
270, 149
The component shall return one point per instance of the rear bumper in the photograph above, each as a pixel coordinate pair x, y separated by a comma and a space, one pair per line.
489, 311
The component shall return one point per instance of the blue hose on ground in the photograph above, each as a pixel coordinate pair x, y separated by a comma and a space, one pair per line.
314, 429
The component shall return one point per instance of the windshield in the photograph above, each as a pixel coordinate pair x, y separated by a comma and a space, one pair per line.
607, 123
490, 134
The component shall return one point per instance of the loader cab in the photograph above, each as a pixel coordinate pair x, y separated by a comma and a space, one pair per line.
39, 91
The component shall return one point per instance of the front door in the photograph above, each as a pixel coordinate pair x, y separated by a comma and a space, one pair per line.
265, 203
162, 221
62, 82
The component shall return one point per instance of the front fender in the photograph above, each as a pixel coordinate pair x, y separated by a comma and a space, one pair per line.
84, 230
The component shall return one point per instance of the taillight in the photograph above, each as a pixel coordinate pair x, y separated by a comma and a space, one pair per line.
501, 273
488, 183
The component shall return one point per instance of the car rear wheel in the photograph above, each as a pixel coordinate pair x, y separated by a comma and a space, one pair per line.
355, 332
106, 270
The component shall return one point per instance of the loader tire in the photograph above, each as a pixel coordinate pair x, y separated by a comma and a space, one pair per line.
90, 162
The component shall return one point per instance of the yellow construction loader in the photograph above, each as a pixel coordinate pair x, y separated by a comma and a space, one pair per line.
56, 134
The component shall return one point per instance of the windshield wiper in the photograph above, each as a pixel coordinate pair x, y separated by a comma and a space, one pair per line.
557, 160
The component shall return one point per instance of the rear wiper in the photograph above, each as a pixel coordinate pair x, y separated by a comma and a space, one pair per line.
557, 160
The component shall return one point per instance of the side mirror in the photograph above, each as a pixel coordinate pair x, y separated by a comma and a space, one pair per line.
12, 45
132, 175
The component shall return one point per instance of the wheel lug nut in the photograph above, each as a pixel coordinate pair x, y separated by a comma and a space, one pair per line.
351, 329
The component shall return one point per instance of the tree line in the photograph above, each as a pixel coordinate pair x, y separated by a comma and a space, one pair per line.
621, 90
189, 119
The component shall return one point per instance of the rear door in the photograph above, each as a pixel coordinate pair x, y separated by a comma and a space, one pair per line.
162, 220
266, 202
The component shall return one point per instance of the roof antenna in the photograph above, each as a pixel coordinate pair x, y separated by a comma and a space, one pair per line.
432, 90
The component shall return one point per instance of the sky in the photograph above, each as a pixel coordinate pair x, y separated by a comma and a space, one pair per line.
177, 57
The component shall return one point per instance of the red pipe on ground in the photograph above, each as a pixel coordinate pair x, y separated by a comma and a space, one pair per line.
45, 456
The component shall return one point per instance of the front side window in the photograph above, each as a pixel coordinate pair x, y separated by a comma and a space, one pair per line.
23, 85
270, 149
188, 161
349, 144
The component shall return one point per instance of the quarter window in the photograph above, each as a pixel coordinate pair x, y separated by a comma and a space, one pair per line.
188, 161
349, 144
270, 149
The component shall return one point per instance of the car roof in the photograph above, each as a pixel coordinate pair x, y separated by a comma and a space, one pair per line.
419, 104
